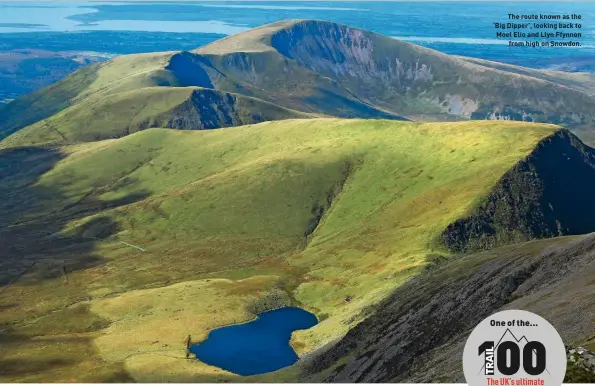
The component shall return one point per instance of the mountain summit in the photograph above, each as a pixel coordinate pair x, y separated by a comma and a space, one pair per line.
296, 67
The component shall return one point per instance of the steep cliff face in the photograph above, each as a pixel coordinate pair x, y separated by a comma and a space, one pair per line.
190, 70
413, 81
548, 194
341, 51
210, 109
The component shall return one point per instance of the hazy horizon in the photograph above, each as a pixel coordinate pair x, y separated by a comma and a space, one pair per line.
294, 1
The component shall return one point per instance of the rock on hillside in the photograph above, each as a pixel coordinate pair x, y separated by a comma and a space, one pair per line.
581, 363
545, 195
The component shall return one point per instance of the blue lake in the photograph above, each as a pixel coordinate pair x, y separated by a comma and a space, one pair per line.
256, 347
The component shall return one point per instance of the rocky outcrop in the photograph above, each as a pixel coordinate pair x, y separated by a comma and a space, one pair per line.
209, 109
581, 365
272, 300
548, 194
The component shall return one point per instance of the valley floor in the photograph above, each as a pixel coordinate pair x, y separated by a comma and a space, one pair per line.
129, 245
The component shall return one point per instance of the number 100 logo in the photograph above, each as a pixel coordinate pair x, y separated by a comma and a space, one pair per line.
507, 358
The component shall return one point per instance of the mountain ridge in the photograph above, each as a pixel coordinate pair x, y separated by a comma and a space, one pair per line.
318, 67
181, 108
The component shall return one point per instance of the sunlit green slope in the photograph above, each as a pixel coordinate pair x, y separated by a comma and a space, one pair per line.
312, 211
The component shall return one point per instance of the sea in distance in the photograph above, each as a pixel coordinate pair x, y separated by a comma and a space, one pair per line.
460, 28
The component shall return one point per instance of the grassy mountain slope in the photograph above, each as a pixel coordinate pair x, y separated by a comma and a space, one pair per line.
130, 232
330, 69
120, 114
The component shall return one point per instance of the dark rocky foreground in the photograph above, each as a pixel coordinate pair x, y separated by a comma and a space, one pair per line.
581, 365
418, 333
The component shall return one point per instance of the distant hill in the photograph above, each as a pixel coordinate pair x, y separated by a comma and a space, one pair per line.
23, 71
402, 78
324, 68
